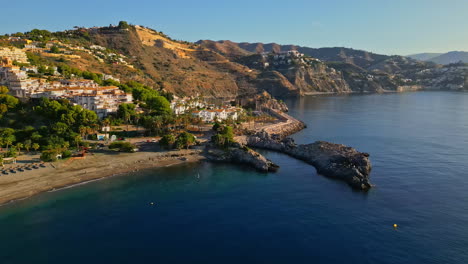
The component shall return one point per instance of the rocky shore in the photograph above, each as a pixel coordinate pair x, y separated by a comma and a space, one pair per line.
331, 160
241, 155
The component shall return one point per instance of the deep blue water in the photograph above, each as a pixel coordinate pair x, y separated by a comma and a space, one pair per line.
419, 149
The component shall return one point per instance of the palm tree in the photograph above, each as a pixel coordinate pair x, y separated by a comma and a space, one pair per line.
27, 145
106, 122
19, 146
157, 123
35, 146
8, 141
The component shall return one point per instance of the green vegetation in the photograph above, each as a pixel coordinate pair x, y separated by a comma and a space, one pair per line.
49, 155
167, 141
184, 140
39, 35
49, 125
123, 25
6, 101
54, 49
224, 138
122, 146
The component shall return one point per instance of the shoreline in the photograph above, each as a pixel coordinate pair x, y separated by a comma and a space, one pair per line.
66, 174
96, 166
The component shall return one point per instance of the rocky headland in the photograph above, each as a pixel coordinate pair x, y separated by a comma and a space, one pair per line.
331, 160
240, 155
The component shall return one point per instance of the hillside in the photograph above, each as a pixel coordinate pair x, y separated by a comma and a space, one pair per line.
443, 58
229, 69
424, 56
357, 57
354, 70
451, 57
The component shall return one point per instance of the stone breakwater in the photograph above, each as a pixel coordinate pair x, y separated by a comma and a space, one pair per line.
288, 125
331, 160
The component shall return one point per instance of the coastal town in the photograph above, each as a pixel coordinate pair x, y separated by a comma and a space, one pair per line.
96, 115
226, 132
69, 107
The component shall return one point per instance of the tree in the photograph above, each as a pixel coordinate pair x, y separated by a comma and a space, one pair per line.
77, 140
123, 146
27, 145
8, 140
3, 109
185, 140
49, 155
123, 25
126, 112
54, 49
158, 105
11, 152
4, 90
66, 145
167, 141
60, 128
224, 138
19, 146
216, 126
85, 131
35, 146
6, 99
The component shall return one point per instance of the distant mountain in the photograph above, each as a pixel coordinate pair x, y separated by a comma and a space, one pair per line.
424, 56
451, 57
442, 58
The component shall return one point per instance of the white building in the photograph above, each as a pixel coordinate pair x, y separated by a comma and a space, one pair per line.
211, 115
102, 101
182, 106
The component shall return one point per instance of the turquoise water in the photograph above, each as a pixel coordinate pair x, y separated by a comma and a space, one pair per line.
228, 214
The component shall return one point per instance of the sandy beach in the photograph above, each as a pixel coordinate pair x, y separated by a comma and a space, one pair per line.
104, 163
94, 166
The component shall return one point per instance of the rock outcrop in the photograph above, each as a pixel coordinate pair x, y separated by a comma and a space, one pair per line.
331, 160
241, 155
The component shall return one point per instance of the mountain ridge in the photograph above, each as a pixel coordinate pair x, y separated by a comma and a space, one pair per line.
442, 58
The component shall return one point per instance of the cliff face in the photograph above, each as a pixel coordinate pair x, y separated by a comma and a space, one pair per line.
295, 74
317, 78
276, 84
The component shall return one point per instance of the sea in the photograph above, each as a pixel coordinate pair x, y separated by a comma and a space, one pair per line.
227, 213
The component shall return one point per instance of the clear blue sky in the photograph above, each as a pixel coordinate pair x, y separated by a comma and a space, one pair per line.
382, 26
